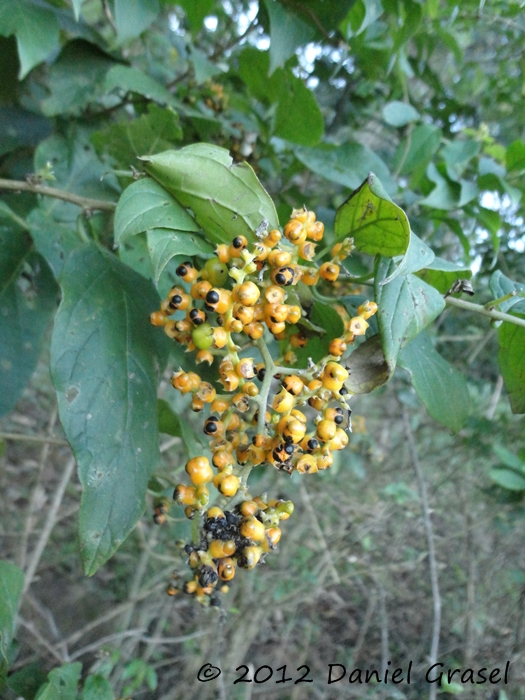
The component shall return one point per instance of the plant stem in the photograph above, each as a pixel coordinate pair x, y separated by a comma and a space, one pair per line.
496, 302
432, 560
491, 313
85, 202
267, 382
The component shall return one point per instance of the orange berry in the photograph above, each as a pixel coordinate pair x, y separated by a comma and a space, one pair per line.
329, 271
199, 470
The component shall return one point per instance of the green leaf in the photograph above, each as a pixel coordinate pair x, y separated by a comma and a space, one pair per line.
126, 79
26, 306
423, 142
105, 360
323, 15
132, 17
491, 221
19, 126
76, 169
368, 367
376, 224
76, 79
298, 118
204, 68
457, 155
417, 256
27, 681
508, 479
36, 30
348, 164
165, 244
362, 14
254, 66
123, 142
11, 585
516, 156
399, 113
196, 12
77, 4
500, 286
327, 318
511, 359
227, 199
445, 195
62, 683
146, 205
54, 241
173, 424
97, 688
439, 385
508, 458
287, 33
441, 274
134, 253
406, 306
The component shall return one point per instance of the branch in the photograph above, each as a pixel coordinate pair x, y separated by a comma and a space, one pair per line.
85, 202
423, 496
491, 313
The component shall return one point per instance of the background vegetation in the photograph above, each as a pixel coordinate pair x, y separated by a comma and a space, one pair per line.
409, 548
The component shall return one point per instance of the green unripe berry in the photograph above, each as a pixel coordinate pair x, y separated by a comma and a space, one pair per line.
202, 336
215, 272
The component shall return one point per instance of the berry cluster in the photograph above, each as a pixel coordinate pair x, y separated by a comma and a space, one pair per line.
266, 413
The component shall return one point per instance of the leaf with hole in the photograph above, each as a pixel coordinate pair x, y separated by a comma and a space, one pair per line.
105, 363
376, 224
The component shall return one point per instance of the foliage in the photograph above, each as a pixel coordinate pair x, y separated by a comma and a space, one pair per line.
400, 123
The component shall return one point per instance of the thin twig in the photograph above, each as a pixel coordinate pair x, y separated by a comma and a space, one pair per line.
372, 602
491, 313
384, 629
106, 640
29, 626
36, 493
434, 581
109, 615
85, 202
491, 410
34, 438
49, 524
308, 505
